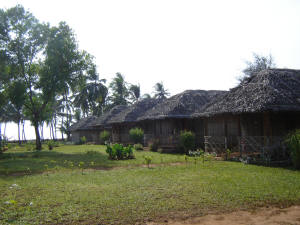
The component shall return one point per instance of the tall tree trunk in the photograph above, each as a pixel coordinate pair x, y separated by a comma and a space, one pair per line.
23, 131
19, 132
55, 131
0, 138
37, 137
62, 124
52, 130
4, 133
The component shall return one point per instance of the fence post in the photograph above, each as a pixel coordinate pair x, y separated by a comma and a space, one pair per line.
225, 140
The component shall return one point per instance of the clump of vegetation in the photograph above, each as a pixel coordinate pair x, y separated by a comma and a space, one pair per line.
136, 135
119, 152
148, 160
293, 143
104, 136
187, 141
82, 140
138, 147
81, 166
197, 154
227, 155
51, 145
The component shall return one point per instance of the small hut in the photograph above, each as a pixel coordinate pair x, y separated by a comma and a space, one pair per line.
256, 115
102, 122
163, 122
127, 118
84, 128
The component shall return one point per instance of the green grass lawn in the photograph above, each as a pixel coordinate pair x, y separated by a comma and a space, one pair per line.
128, 195
18, 160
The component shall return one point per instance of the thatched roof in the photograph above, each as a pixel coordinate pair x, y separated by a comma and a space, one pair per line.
269, 90
133, 112
83, 124
106, 117
182, 105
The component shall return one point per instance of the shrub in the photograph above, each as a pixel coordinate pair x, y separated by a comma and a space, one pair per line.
50, 145
187, 141
138, 147
136, 135
104, 136
119, 152
148, 160
293, 143
227, 155
82, 140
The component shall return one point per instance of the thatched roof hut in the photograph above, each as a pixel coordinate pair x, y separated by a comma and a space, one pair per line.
270, 90
83, 124
182, 105
105, 119
133, 112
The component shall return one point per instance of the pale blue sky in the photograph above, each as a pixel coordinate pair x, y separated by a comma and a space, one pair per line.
186, 44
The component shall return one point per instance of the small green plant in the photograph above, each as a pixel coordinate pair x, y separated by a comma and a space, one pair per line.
82, 140
187, 141
227, 155
136, 135
119, 152
186, 159
293, 144
92, 164
104, 136
81, 165
148, 160
46, 169
28, 171
70, 164
138, 147
50, 144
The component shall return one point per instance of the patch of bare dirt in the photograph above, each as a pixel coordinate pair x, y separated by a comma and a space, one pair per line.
261, 216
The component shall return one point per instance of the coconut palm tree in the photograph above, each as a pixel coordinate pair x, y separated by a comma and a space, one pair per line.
160, 91
135, 92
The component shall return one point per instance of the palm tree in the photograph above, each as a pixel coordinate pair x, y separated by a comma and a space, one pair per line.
160, 92
92, 96
135, 92
119, 90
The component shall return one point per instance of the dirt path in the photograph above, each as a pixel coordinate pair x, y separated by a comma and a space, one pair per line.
261, 216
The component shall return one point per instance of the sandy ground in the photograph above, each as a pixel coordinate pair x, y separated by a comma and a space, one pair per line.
261, 216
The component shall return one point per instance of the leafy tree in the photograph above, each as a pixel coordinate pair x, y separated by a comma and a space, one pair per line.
45, 59
92, 94
258, 64
119, 89
160, 91
16, 96
135, 92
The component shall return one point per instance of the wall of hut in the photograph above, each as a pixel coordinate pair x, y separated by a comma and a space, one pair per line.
90, 135
166, 132
252, 130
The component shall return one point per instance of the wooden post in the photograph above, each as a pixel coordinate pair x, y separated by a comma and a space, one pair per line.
267, 127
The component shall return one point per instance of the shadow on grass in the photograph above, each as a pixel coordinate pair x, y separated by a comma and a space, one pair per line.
38, 162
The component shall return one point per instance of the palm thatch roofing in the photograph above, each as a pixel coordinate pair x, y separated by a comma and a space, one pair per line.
133, 112
104, 119
182, 105
83, 124
268, 90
